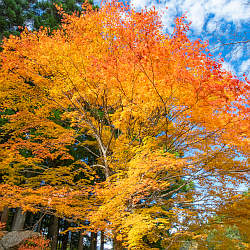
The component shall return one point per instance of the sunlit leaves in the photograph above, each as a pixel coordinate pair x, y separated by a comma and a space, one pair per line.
162, 123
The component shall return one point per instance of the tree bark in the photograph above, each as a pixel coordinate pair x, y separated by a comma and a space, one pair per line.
4, 215
53, 232
30, 220
80, 241
93, 241
65, 241
19, 219
65, 237
39, 224
117, 245
102, 241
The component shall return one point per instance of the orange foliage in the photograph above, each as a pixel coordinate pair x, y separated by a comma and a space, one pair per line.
163, 114
35, 243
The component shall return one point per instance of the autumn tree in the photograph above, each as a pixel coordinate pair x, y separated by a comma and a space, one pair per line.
14, 15
164, 115
233, 220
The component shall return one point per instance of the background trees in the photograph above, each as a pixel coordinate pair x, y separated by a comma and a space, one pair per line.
163, 123
35, 14
15, 14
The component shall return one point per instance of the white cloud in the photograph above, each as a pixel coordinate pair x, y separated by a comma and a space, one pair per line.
229, 67
212, 25
140, 4
196, 14
245, 67
234, 10
237, 52
198, 10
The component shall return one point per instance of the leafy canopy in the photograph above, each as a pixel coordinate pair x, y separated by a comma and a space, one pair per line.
169, 124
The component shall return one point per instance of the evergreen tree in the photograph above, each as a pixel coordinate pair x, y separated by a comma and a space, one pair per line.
13, 14
33, 14
46, 14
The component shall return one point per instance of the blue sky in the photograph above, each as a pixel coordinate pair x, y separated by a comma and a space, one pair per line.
219, 21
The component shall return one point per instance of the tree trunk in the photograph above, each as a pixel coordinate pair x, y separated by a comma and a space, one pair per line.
93, 241
65, 237
80, 241
30, 220
65, 241
53, 232
117, 245
4, 215
19, 219
39, 224
102, 240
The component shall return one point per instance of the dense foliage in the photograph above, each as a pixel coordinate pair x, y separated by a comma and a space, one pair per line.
160, 128
16, 14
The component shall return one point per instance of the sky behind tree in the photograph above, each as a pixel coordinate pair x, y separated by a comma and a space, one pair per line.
218, 21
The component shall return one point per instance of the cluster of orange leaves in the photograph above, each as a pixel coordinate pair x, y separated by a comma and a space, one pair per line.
161, 112
35, 243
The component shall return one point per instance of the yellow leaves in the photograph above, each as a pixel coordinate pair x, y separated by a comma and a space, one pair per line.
237, 213
145, 223
138, 225
161, 114
129, 189
200, 236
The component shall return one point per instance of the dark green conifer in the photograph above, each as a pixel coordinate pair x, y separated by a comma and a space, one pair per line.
33, 14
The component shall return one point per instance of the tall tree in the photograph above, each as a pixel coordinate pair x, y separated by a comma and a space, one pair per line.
163, 114
53, 232
47, 14
15, 14
19, 220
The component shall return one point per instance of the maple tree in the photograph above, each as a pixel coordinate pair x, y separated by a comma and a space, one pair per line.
169, 125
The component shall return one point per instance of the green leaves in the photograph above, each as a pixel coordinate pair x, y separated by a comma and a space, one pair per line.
34, 13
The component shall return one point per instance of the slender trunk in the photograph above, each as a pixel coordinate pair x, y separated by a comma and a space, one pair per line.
93, 241
117, 245
4, 216
65, 241
65, 237
80, 241
102, 241
19, 219
30, 221
53, 232
39, 224
71, 244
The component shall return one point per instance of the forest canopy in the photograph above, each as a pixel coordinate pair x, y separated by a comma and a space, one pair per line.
113, 124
